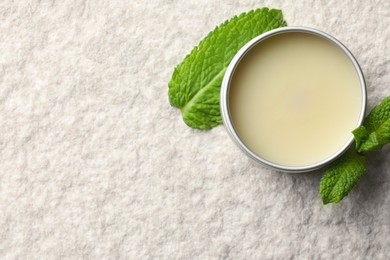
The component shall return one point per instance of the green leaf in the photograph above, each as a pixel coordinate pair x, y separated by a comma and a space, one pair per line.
341, 176
196, 81
361, 135
375, 132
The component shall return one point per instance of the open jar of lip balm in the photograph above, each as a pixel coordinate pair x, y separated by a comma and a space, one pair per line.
291, 97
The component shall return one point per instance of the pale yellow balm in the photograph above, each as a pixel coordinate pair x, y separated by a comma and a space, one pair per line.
295, 98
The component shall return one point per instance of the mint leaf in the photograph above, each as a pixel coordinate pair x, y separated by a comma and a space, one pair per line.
196, 81
376, 140
375, 132
361, 135
341, 176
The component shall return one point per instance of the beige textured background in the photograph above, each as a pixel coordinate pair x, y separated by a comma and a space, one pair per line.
94, 163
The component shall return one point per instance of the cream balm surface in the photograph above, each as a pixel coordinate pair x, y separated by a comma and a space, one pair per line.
294, 99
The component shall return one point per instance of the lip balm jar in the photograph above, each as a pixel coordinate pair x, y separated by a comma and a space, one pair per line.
291, 98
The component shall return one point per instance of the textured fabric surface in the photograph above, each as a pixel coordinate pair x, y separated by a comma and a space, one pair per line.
94, 163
